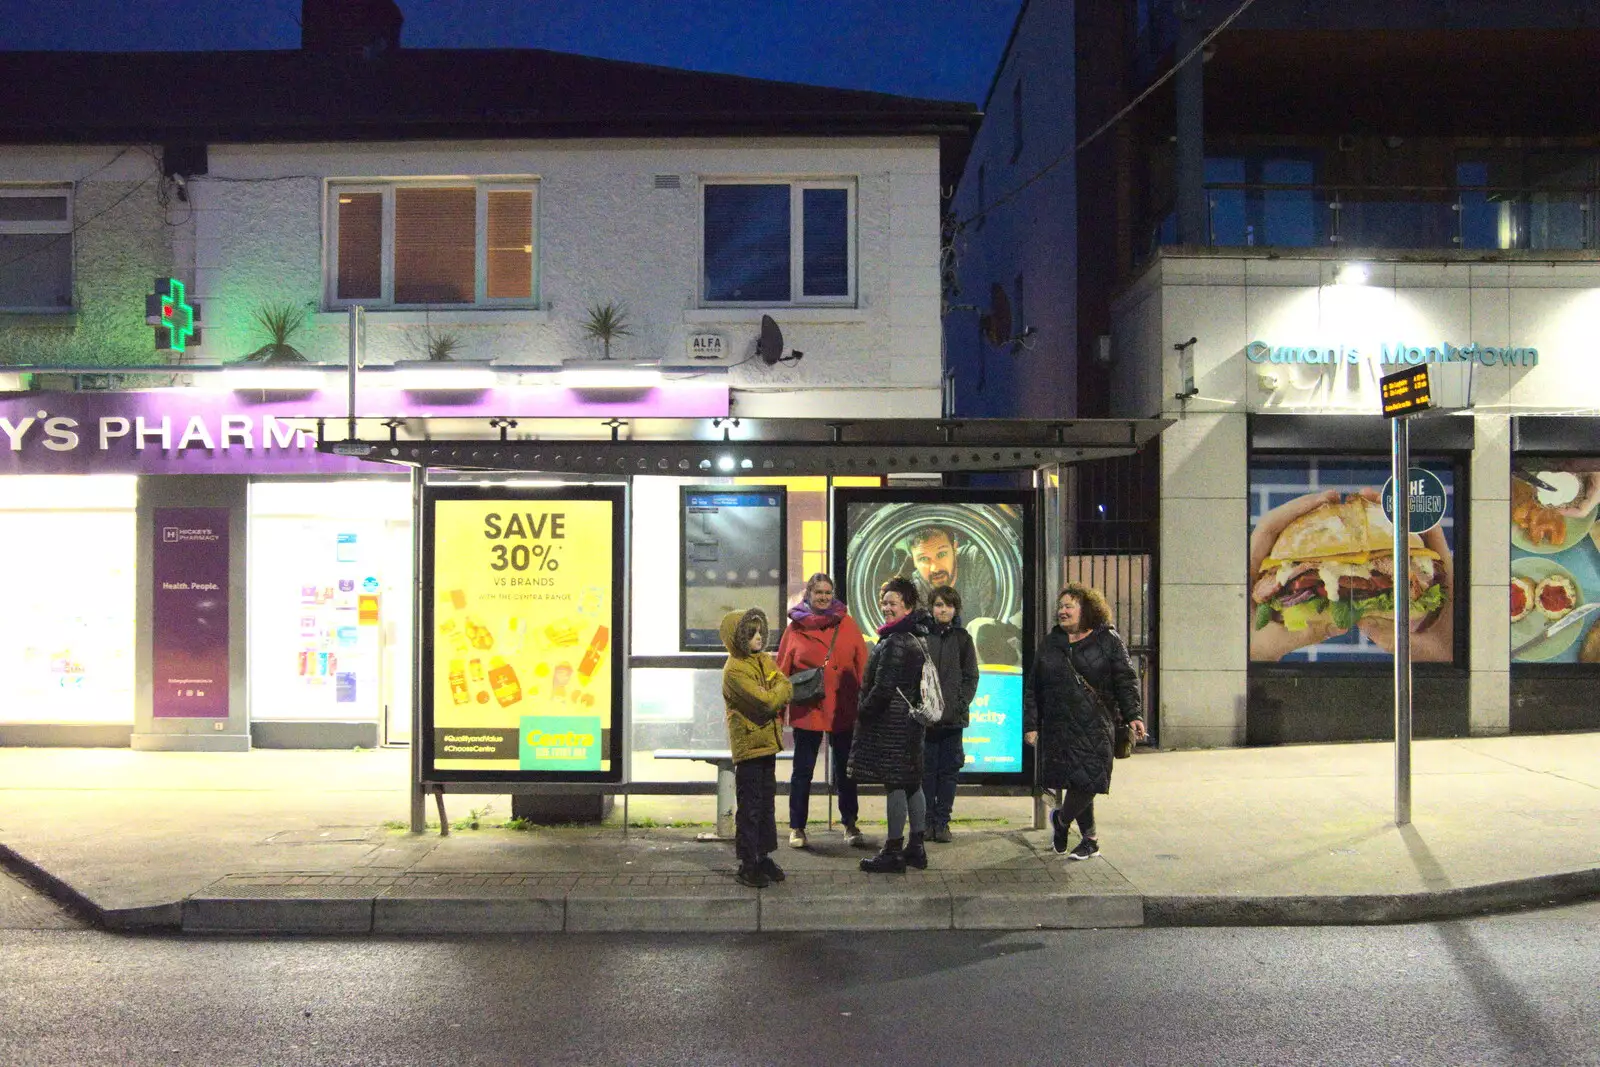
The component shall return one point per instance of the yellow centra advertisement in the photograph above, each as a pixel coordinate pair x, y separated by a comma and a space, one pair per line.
522, 634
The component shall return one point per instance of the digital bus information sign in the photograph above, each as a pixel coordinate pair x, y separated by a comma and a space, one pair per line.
1409, 392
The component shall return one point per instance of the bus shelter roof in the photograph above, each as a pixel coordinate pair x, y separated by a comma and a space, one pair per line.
716, 447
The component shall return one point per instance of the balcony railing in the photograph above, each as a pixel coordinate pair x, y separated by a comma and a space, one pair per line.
1366, 216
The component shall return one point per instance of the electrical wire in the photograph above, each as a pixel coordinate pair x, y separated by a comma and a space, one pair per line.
1121, 114
118, 202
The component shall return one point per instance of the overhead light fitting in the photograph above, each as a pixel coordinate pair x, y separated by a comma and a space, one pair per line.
1351, 274
272, 378
607, 378
444, 378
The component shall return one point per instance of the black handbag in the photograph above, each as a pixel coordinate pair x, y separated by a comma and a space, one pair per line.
809, 686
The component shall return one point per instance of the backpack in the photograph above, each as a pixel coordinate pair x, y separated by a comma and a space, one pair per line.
929, 710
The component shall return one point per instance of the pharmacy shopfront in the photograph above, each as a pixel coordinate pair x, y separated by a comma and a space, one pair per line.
185, 570
1275, 590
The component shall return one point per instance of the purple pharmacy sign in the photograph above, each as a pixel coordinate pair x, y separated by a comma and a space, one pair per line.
190, 625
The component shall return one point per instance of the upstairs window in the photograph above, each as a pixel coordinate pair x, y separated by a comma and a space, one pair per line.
35, 248
779, 243
446, 244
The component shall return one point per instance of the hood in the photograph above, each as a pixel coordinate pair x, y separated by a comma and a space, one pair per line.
738, 627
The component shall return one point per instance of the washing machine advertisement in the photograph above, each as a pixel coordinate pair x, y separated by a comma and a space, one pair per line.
980, 542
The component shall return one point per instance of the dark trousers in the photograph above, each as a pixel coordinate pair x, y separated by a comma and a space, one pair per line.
807, 744
755, 818
942, 759
1078, 806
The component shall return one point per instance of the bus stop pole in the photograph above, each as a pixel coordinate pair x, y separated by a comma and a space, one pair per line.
1400, 440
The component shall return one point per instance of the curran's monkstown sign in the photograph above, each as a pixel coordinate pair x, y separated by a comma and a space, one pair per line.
1398, 354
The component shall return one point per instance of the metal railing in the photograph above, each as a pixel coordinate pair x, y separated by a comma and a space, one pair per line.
1244, 215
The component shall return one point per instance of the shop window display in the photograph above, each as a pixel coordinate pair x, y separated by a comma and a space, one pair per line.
70, 599
329, 619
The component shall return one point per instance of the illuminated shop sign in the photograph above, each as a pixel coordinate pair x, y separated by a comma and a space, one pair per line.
204, 432
1393, 355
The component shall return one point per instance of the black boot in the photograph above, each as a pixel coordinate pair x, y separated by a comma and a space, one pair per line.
890, 860
916, 855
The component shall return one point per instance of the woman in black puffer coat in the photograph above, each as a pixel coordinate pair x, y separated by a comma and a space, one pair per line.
887, 747
1070, 734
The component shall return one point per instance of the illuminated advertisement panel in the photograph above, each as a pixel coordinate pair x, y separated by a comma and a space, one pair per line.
978, 541
524, 593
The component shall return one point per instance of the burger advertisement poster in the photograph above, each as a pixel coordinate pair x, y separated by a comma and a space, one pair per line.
972, 540
1555, 560
523, 652
1322, 568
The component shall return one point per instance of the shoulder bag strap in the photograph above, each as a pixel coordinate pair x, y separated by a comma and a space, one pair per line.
1094, 694
832, 641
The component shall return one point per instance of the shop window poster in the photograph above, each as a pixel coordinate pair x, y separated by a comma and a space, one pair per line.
1555, 560
1322, 579
524, 600
939, 538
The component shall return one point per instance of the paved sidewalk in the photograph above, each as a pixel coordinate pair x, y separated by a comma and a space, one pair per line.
297, 842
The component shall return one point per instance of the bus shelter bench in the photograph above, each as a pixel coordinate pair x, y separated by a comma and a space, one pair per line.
722, 760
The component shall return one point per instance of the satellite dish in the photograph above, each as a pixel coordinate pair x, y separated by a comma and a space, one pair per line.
770, 344
997, 324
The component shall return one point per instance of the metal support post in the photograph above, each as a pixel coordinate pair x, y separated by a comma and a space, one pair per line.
1400, 433
352, 362
419, 799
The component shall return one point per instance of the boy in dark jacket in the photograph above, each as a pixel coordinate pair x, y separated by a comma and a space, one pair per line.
754, 693
956, 659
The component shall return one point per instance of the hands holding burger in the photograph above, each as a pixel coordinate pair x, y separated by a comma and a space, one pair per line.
1322, 564
1270, 639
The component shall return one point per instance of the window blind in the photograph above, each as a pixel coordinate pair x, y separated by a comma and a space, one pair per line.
360, 219
825, 223
435, 245
747, 235
510, 251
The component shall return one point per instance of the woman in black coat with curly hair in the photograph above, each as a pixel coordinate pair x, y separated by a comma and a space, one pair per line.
1070, 734
887, 747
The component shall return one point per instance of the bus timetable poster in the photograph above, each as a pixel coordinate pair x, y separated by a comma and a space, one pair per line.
524, 610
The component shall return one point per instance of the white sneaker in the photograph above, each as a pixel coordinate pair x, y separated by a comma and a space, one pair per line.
797, 839
854, 837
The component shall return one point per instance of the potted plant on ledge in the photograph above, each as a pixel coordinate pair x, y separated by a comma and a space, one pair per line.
606, 323
281, 320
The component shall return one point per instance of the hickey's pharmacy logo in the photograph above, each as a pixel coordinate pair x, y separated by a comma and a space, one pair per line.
174, 535
1395, 355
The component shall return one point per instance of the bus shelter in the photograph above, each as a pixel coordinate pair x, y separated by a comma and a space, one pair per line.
571, 573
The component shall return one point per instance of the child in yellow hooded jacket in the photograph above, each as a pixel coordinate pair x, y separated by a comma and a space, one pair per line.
754, 693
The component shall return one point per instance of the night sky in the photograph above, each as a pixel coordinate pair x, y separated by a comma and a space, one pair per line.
941, 49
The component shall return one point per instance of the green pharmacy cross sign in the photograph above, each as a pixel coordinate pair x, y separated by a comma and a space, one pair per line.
174, 318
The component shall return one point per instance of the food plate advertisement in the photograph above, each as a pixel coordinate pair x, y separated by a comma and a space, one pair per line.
1322, 578
524, 599
1555, 560
977, 541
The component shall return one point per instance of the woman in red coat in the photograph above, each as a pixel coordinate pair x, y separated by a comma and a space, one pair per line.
817, 623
